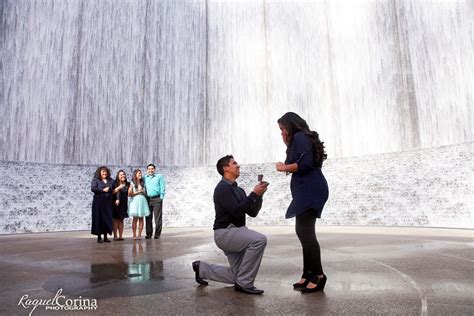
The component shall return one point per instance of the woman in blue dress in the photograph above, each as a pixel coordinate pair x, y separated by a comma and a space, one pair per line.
138, 205
304, 158
102, 205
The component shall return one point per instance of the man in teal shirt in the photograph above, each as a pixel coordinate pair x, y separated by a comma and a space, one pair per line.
155, 189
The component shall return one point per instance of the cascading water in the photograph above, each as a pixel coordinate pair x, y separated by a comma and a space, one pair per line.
185, 82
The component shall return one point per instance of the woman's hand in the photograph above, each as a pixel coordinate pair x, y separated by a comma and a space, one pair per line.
106, 189
117, 202
280, 166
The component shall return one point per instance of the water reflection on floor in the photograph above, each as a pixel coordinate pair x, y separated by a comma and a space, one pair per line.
138, 276
131, 271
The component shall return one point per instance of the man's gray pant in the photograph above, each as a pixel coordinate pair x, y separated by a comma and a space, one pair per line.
244, 249
156, 210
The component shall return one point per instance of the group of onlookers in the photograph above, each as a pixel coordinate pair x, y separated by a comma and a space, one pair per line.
115, 200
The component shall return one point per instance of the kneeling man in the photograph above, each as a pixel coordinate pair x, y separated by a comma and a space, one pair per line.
243, 247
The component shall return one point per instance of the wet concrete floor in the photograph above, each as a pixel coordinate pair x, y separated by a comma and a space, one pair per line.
371, 271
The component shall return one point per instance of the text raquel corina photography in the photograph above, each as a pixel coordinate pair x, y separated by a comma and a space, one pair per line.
58, 303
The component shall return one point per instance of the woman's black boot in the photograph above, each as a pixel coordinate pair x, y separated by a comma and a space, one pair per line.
320, 283
299, 286
105, 238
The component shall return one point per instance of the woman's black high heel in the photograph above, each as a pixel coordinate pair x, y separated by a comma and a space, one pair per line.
320, 283
299, 286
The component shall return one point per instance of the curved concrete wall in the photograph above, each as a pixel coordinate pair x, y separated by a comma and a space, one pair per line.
431, 187
182, 82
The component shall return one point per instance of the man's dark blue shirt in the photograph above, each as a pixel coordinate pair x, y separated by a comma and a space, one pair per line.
232, 204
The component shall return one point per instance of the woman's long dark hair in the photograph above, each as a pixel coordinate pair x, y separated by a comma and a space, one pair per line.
134, 178
99, 170
293, 123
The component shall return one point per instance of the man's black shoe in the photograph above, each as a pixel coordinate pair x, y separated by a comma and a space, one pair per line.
157, 237
196, 272
250, 290
147, 237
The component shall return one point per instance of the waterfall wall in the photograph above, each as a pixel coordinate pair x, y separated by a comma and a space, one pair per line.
127, 82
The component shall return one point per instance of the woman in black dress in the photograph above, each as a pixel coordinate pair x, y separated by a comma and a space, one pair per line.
121, 203
304, 158
102, 205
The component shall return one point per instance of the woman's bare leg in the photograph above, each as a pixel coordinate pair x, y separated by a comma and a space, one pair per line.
134, 227
140, 227
120, 227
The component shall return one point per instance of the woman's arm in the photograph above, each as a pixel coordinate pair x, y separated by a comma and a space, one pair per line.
302, 150
95, 186
117, 189
291, 168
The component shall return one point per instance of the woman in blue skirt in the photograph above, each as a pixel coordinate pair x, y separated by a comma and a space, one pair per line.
138, 205
304, 159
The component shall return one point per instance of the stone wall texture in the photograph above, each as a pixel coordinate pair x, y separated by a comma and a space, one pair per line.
425, 188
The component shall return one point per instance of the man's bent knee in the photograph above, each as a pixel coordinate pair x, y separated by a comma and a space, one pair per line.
261, 240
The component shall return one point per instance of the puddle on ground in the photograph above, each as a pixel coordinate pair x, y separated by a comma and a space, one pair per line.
133, 272
115, 279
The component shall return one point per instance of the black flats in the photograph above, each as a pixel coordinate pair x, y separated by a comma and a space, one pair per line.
99, 239
319, 281
196, 273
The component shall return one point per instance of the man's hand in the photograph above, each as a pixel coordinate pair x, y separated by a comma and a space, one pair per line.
261, 188
106, 189
117, 202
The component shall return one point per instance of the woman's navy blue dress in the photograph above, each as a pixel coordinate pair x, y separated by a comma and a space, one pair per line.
102, 207
309, 188
121, 210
